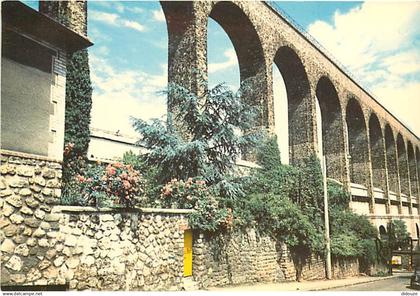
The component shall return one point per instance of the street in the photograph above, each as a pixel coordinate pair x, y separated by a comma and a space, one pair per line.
400, 283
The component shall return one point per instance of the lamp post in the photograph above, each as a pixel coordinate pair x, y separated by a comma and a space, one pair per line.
327, 220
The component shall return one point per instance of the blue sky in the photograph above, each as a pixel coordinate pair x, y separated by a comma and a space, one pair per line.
378, 42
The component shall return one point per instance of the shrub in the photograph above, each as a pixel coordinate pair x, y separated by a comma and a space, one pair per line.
213, 128
194, 194
105, 186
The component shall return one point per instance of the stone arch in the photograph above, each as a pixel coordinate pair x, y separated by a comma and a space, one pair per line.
412, 166
249, 51
299, 103
403, 165
391, 159
382, 231
358, 143
332, 128
377, 150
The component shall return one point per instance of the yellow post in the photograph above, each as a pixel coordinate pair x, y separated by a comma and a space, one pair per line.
187, 253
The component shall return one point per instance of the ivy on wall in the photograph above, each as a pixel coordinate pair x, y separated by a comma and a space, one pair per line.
77, 114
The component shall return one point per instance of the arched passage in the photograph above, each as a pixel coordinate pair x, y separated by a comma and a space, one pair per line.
281, 116
413, 169
377, 150
358, 144
382, 232
391, 159
249, 51
403, 166
299, 103
332, 145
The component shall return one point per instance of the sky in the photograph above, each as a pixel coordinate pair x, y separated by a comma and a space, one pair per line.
377, 41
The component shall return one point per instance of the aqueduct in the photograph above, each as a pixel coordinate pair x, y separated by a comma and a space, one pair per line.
366, 147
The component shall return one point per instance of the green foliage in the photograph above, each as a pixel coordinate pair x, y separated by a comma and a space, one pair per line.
216, 126
77, 115
194, 194
397, 232
285, 201
338, 197
352, 235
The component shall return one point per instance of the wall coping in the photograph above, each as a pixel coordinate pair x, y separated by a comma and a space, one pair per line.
405, 216
29, 156
81, 210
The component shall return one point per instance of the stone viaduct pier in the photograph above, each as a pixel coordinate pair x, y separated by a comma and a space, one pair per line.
366, 147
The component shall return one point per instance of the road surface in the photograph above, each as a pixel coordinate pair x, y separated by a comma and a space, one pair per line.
401, 283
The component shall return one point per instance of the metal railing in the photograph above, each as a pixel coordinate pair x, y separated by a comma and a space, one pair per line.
283, 14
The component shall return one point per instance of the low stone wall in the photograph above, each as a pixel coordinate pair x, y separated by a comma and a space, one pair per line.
247, 257
235, 258
107, 249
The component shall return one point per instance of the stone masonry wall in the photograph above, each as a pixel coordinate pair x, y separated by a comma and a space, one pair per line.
29, 187
107, 249
86, 248
247, 257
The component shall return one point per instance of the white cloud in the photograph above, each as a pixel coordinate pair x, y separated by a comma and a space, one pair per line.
136, 10
105, 17
120, 94
114, 19
375, 42
158, 15
231, 61
133, 25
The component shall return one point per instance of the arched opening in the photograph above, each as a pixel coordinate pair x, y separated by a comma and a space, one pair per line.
377, 151
412, 169
331, 140
382, 232
281, 116
249, 52
128, 67
403, 166
417, 231
358, 144
223, 66
299, 103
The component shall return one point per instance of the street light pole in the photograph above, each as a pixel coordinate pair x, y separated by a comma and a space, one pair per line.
327, 220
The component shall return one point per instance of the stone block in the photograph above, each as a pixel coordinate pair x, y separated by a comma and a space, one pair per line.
32, 222
31, 202
25, 192
40, 214
5, 192
48, 173
16, 219
8, 246
14, 263
39, 233
22, 250
18, 182
15, 201
26, 211
18, 278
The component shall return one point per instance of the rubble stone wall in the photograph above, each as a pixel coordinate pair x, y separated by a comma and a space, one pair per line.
247, 257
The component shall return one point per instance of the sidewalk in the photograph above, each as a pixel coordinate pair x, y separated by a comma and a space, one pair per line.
304, 285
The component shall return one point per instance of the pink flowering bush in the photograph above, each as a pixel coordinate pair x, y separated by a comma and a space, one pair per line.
195, 194
115, 184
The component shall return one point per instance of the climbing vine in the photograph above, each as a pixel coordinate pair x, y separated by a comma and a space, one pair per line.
77, 115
